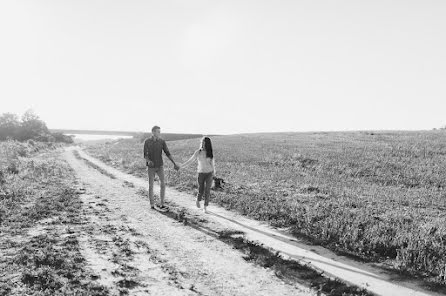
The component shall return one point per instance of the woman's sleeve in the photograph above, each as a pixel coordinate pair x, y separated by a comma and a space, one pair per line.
194, 156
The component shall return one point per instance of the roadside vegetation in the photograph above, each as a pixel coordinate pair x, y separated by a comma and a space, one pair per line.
40, 220
28, 127
378, 196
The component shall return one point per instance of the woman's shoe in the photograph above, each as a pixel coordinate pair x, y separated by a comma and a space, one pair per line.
198, 204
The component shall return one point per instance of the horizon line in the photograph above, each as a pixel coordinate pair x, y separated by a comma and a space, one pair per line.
134, 133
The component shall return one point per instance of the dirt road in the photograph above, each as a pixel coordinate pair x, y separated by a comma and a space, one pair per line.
197, 260
142, 251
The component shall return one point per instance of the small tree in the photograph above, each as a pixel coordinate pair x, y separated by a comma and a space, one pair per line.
32, 127
9, 126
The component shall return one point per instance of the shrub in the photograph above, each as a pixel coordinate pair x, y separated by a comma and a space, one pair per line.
30, 127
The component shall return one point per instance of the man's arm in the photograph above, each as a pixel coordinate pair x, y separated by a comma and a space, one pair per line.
145, 149
146, 152
171, 159
167, 152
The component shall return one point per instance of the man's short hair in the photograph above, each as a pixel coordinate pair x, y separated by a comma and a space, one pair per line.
155, 128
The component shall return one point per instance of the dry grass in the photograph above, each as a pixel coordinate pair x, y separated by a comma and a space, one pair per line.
40, 218
380, 196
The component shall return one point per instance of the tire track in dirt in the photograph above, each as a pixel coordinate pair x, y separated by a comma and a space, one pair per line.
138, 251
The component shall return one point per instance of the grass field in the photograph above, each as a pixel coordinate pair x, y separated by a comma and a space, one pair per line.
40, 216
380, 196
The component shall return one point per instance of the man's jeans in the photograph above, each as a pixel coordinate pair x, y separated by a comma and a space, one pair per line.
160, 172
204, 187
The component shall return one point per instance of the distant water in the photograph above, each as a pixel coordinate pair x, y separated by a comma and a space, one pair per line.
87, 137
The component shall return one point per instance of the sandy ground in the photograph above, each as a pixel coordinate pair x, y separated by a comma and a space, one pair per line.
145, 252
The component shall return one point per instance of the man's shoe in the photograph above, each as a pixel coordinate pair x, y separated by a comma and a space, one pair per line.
162, 208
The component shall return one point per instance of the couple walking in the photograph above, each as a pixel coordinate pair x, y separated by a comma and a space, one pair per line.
153, 148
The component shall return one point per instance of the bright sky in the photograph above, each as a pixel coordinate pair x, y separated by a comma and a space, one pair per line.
225, 66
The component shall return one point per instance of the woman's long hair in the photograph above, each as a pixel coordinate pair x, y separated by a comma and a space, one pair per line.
208, 147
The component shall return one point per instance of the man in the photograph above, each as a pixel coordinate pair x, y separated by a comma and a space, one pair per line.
153, 148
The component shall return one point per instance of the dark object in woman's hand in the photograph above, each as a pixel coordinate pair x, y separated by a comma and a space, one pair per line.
218, 182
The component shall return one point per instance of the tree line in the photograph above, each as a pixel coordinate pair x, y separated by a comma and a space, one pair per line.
28, 127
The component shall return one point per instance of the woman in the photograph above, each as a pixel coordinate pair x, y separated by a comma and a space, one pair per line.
205, 169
